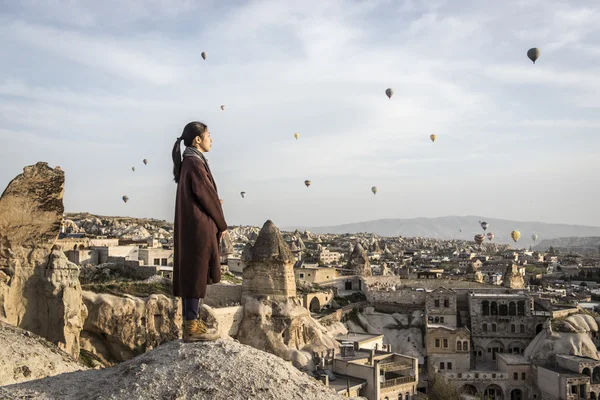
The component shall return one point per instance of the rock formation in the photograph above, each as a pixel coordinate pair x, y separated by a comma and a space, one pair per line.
120, 328
221, 370
39, 287
274, 319
270, 266
226, 246
478, 277
570, 335
512, 278
25, 356
358, 263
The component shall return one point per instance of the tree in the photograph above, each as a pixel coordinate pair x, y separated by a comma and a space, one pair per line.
441, 389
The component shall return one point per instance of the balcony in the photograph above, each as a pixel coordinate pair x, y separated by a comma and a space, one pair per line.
398, 381
476, 376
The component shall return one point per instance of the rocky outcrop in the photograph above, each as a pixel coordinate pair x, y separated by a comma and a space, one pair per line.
274, 319
221, 370
25, 356
270, 268
39, 287
358, 264
119, 328
512, 278
570, 336
226, 245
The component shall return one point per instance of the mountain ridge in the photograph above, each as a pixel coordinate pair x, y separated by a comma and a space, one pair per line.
448, 227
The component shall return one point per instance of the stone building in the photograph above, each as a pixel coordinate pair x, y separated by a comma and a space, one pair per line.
501, 323
448, 349
440, 307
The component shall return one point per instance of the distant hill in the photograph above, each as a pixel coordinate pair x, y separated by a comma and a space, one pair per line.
448, 228
587, 246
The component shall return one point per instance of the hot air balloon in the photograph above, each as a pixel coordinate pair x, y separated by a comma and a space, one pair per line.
490, 236
533, 54
307, 183
296, 135
432, 137
515, 235
203, 54
133, 169
145, 161
125, 199
389, 92
374, 189
222, 107
534, 237
243, 194
479, 238
460, 230
484, 225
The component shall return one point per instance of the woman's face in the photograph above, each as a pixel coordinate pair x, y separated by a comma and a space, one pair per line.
206, 143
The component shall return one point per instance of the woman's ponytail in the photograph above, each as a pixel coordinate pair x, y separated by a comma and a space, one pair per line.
177, 159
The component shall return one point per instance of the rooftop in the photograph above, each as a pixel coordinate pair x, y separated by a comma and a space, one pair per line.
429, 284
357, 337
513, 359
514, 295
565, 372
342, 382
576, 358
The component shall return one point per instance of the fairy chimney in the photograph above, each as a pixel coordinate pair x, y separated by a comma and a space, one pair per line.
270, 269
358, 264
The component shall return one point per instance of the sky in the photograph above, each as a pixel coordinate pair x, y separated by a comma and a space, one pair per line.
96, 87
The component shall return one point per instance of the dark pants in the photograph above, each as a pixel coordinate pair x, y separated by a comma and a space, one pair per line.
190, 308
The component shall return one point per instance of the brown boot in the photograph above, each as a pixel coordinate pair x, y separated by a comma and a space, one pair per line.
195, 330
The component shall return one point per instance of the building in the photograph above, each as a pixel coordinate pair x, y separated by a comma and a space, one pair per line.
156, 256
448, 349
236, 264
317, 275
502, 323
381, 374
329, 257
440, 307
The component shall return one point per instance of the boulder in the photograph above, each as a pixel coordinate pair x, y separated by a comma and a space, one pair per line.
39, 287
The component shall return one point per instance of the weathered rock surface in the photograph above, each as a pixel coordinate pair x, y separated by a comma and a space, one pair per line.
270, 269
39, 287
570, 336
221, 370
358, 264
512, 278
25, 356
119, 328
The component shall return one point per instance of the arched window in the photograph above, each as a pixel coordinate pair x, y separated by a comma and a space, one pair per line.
512, 308
484, 327
485, 307
399, 396
466, 345
521, 308
503, 310
459, 345
494, 308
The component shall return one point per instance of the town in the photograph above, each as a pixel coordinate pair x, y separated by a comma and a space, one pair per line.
491, 320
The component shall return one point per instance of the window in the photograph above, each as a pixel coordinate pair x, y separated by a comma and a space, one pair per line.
523, 375
574, 389
494, 308
445, 343
442, 365
164, 262
436, 303
466, 346
521, 308
493, 376
449, 365
459, 345
157, 261
522, 328
442, 320
485, 327
437, 343
513, 328
512, 308
493, 327
301, 275
503, 310
485, 307
400, 396
437, 319
446, 303
476, 375
516, 376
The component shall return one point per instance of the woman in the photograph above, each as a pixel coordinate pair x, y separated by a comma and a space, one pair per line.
199, 225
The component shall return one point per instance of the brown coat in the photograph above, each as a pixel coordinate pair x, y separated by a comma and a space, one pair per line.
198, 221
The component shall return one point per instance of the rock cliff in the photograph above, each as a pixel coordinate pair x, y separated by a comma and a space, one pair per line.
39, 287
